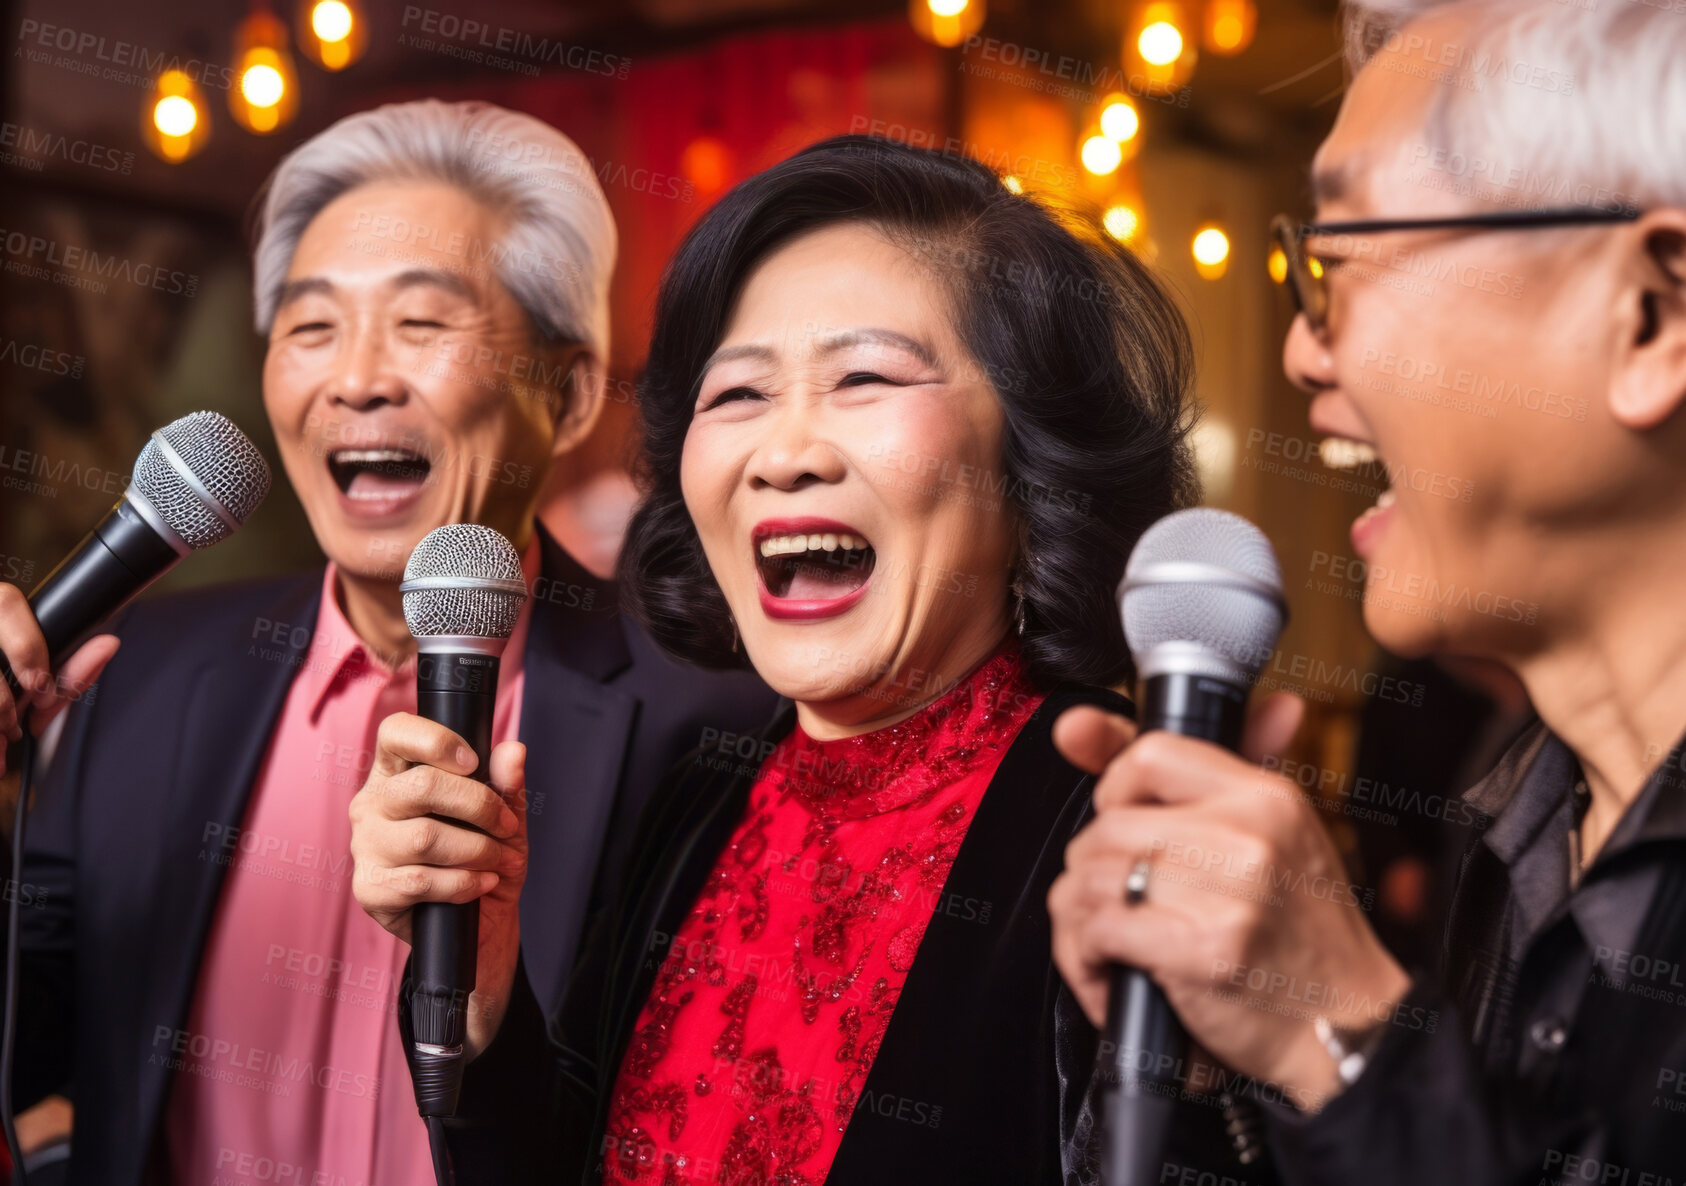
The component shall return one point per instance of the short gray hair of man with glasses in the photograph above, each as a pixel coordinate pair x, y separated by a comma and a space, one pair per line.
1547, 103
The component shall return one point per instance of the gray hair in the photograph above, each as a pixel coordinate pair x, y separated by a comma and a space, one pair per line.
1570, 103
557, 253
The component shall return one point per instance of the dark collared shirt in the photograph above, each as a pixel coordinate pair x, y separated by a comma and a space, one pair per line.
1559, 1053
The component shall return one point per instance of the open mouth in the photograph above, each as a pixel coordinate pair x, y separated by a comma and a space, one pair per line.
1360, 459
802, 562
378, 475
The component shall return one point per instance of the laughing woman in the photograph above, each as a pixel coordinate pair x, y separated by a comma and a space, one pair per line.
902, 428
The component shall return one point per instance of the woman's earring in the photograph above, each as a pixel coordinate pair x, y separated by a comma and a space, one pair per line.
734, 634
1018, 608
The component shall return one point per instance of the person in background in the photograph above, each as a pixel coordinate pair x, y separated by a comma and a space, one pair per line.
1547, 371
433, 280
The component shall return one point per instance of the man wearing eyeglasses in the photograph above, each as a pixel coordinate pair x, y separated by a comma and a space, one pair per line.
1493, 292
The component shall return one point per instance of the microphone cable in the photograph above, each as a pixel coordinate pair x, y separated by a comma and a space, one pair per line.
444, 1173
8, 1023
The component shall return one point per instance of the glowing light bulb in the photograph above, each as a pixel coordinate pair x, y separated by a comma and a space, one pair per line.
331, 20
946, 7
1161, 43
262, 85
175, 115
1121, 222
1277, 265
1119, 121
1211, 247
1101, 155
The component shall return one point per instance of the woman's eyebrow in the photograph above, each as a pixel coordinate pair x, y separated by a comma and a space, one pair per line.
830, 344
748, 350
877, 337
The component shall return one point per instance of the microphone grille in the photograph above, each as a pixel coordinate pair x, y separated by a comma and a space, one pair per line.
468, 582
202, 476
1206, 577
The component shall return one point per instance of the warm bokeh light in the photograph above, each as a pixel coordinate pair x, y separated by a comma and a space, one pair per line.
1160, 44
1211, 246
1121, 222
331, 20
1229, 25
945, 22
1101, 155
262, 85
707, 164
1013, 184
1277, 265
332, 33
175, 116
1213, 443
1315, 267
264, 96
1119, 120
1211, 252
175, 125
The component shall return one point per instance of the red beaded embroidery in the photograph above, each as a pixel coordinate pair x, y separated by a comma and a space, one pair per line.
762, 1024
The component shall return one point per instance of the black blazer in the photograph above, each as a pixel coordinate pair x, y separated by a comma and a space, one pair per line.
164, 754
983, 1071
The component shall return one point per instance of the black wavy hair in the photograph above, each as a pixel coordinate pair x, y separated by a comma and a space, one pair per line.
1087, 353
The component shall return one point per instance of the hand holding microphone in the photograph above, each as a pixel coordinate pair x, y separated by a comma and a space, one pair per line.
1208, 875
439, 830
195, 482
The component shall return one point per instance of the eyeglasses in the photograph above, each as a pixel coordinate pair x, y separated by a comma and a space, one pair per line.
1306, 276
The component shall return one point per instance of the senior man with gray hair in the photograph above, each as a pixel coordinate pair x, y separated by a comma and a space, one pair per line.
199, 980
1492, 299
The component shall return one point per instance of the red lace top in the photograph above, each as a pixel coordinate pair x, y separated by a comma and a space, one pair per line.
764, 1019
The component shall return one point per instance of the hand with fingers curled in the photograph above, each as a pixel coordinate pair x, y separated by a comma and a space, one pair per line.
43, 693
422, 830
1217, 878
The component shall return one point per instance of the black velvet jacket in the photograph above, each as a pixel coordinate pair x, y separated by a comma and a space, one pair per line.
984, 1029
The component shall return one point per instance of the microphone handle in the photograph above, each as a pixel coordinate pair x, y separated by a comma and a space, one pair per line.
122, 555
1143, 1038
457, 690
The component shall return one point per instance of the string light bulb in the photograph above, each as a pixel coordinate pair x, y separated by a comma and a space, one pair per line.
1157, 44
945, 22
1160, 43
1101, 155
1120, 120
176, 124
1121, 222
265, 94
332, 33
1211, 251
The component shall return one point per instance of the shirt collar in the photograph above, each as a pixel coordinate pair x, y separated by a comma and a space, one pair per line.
1539, 771
338, 655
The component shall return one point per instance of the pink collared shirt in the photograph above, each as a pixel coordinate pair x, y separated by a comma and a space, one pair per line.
293, 1071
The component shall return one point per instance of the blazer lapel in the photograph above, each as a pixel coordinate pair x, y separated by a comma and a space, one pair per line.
576, 729
983, 968
228, 717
